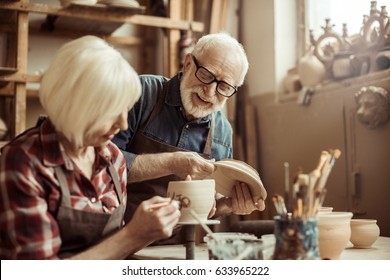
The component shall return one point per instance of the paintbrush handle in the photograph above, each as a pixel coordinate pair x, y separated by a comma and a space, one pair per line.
204, 226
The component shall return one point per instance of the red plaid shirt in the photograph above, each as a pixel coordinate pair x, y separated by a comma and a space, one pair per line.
30, 194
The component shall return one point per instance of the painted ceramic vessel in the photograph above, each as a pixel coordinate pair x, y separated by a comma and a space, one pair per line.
197, 195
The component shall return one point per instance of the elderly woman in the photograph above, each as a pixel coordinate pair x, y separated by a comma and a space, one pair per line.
63, 182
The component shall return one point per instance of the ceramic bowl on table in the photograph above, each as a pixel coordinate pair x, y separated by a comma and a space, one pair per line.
364, 232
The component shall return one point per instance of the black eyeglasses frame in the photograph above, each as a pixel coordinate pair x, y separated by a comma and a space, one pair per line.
198, 66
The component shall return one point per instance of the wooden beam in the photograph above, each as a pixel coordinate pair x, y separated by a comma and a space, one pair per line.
218, 15
173, 38
20, 98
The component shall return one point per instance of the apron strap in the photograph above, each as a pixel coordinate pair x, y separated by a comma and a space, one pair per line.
209, 141
157, 108
65, 199
115, 178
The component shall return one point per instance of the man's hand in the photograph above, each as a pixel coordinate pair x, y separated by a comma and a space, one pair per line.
191, 163
241, 202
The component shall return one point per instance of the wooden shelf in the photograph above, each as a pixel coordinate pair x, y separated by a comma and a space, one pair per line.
73, 21
105, 14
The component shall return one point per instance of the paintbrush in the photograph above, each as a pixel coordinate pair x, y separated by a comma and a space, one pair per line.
286, 183
327, 168
204, 226
316, 173
163, 204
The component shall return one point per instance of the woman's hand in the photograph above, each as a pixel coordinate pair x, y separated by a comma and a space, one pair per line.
155, 223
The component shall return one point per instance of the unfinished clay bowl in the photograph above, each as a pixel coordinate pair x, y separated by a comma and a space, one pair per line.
230, 171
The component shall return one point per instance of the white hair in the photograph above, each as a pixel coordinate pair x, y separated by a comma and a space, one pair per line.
224, 42
87, 83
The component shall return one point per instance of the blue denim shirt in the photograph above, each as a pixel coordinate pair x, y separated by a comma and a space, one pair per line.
171, 126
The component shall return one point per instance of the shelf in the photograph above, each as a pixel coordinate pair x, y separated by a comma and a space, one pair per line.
105, 14
19, 18
7, 70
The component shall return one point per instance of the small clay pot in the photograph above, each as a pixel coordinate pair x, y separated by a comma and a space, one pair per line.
364, 232
334, 231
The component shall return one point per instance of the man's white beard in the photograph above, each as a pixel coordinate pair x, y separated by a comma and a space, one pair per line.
193, 110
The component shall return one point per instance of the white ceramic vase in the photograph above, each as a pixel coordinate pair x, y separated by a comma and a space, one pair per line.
364, 232
334, 232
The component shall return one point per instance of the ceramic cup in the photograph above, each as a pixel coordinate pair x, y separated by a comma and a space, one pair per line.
234, 245
364, 232
197, 195
334, 231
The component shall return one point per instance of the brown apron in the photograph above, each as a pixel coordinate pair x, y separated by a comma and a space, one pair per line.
82, 229
141, 144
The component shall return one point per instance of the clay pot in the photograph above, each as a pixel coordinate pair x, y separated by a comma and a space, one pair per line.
364, 232
197, 195
334, 231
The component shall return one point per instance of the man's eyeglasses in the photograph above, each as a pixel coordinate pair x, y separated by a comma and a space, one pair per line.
206, 77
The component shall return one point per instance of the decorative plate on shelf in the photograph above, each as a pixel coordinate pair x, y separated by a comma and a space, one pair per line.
230, 171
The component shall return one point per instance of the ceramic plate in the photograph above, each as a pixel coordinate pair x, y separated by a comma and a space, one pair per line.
229, 171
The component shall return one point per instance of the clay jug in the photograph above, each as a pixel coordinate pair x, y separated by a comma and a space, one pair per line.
310, 69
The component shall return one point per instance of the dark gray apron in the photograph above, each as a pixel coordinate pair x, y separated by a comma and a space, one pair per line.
142, 144
81, 229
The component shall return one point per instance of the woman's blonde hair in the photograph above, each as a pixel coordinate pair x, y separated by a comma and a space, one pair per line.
87, 83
